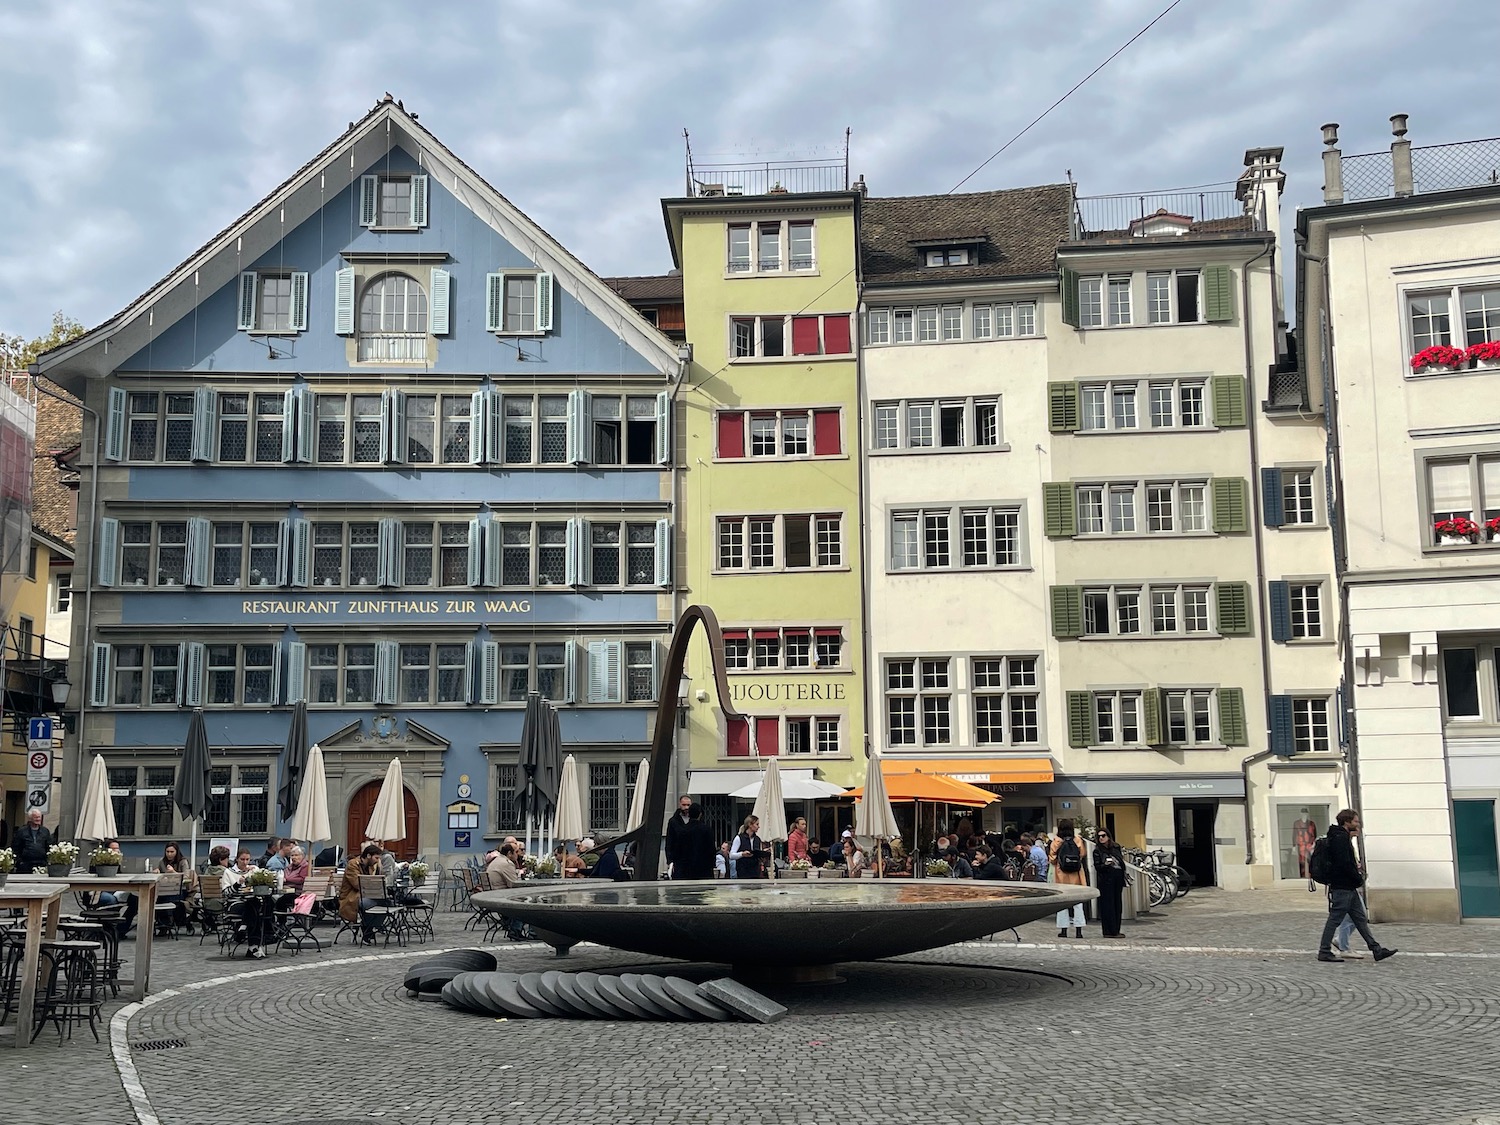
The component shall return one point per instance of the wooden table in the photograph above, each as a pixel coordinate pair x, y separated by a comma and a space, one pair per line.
43, 904
142, 886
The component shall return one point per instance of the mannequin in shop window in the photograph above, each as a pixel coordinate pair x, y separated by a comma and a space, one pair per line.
1304, 836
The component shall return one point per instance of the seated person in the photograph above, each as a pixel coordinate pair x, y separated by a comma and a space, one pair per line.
231, 879
570, 865
608, 867
297, 869
502, 868
281, 859
987, 865
960, 866
352, 904
816, 855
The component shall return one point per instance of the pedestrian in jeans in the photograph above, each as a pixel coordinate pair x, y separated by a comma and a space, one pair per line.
1344, 882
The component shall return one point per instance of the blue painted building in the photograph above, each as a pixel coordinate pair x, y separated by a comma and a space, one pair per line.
386, 446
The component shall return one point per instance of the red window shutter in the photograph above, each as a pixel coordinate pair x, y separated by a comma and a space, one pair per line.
766, 732
836, 335
827, 438
830, 632
805, 336
737, 744
731, 433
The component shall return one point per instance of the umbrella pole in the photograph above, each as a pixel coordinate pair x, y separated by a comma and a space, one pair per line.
193, 848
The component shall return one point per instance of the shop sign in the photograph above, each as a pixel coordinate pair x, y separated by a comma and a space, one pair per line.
753, 691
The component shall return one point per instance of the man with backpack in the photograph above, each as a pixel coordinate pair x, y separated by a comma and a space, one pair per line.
1069, 861
1334, 864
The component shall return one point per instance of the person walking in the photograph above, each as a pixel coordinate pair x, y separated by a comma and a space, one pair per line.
1068, 859
1344, 879
677, 833
694, 857
1109, 877
747, 852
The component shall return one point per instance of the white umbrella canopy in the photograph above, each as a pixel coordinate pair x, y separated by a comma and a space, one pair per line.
638, 797
569, 824
873, 816
793, 789
96, 818
388, 818
770, 805
311, 820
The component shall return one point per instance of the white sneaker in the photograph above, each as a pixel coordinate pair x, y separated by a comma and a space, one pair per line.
1355, 954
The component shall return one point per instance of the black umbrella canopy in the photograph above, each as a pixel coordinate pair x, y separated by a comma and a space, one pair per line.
191, 791
294, 762
537, 798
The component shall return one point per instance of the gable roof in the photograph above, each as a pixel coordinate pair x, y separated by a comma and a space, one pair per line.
664, 287
387, 125
1014, 233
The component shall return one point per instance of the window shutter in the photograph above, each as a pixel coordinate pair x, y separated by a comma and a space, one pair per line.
200, 534
837, 339
299, 302
1229, 400
419, 201
1272, 498
574, 547
180, 676
300, 569
767, 736
805, 335
492, 555
387, 672
275, 672
737, 738
664, 552
307, 425
289, 425
1059, 509
1232, 716
343, 302
393, 426
827, 433
731, 427
114, 426
544, 302
476, 568
487, 674
1068, 283
99, 666
388, 554
1283, 731
1062, 407
295, 667
1233, 607
664, 428
369, 195
479, 409
605, 659
109, 551
1151, 709
205, 411
283, 551
1231, 505
1067, 611
1280, 596
585, 535
246, 319
580, 426
494, 302
192, 676
570, 672
656, 657
1218, 294
1080, 718
438, 304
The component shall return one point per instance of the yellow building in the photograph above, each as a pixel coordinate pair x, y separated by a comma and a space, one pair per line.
770, 496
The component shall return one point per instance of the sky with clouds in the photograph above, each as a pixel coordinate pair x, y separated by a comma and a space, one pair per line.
135, 129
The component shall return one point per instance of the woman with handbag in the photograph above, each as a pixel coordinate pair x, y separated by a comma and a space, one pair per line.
1109, 877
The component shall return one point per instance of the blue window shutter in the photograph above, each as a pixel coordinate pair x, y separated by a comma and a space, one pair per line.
192, 675
494, 302
580, 426
605, 660
388, 554
476, 533
343, 302
275, 672
300, 568
585, 535
574, 550
109, 551
289, 399
570, 672
200, 535
114, 425
205, 413
1272, 499
544, 302
664, 428
387, 674
487, 655
369, 198
437, 300
492, 532
99, 668
656, 656
307, 425
479, 410
246, 305
283, 551
296, 672
299, 302
1281, 611
664, 552
419, 201
393, 426
1283, 731
181, 669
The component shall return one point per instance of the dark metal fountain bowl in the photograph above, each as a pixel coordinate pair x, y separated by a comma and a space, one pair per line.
782, 923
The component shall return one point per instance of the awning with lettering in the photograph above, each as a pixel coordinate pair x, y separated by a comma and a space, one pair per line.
976, 771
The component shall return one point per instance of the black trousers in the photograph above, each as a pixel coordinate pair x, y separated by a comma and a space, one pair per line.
1111, 903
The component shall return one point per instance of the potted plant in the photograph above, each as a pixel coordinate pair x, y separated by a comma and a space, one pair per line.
1456, 530
938, 869
418, 872
60, 858
7, 864
1484, 356
831, 870
1438, 358
797, 869
546, 868
261, 881
105, 862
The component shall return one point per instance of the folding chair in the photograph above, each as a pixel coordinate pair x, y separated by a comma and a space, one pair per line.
168, 900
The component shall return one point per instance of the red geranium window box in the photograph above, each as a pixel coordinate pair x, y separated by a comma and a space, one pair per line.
1439, 355
1486, 352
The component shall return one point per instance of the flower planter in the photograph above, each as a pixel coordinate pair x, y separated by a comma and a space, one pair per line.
261, 890
1437, 369
418, 880
109, 871
58, 870
793, 873
4, 875
1455, 541
1487, 365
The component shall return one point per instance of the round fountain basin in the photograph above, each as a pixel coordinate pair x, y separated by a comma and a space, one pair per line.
782, 923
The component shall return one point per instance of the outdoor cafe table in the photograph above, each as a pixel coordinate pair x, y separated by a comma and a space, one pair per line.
43, 905
142, 886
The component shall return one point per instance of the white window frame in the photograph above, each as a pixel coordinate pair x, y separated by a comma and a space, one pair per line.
1457, 334
785, 266
1305, 601
972, 405
1145, 415
952, 517
1119, 702
817, 530
1139, 490
1013, 687
1146, 593
1189, 695
1173, 312
1307, 723
952, 322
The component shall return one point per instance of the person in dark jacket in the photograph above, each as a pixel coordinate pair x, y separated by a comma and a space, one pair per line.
1109, 877
32, 842
696, 851
1344, 881
677, 831
986, 864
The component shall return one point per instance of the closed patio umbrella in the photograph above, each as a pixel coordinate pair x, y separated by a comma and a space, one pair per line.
569, 824
388, 817
637, 815
311, 821
191, 791
294, 761
874, 816
771, 809
96, 818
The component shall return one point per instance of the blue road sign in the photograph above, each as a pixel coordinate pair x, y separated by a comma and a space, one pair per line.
39, 730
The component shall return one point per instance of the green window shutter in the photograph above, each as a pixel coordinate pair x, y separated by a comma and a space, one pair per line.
1059, 510
114, 426
1062, 407
1218, 294
419, 201
1068, 282
369, 194
1233, 606
1232, 716
247, 302
343, 302
1279, 597
494, 302
1151, 709
437, 301
299, 302
1229, 400
1283, 729
1080, 718
1231, 505
1067, 611
544, 302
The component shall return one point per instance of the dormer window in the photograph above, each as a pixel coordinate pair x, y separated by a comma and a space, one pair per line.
1163, 222
950, 256
393, 202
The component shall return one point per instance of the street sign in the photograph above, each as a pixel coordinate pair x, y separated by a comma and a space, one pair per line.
38, 799
39, 764
39, 730
462, 840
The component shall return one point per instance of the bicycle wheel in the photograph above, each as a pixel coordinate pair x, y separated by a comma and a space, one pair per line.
1184, 882
1159, 890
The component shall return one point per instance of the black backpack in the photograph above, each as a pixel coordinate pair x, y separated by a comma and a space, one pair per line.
1069, 858
1320, 863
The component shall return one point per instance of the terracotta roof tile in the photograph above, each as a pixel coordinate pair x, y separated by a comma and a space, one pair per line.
656, 287
59, 426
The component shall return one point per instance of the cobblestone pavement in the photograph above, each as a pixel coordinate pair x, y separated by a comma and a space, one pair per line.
1131, 1031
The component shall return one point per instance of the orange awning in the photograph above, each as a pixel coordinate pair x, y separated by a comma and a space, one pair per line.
935, 787
979, 771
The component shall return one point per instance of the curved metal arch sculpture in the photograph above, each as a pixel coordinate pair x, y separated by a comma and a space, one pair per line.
648, 835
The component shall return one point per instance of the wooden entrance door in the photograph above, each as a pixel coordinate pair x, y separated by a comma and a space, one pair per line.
1125, 821
363, 804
